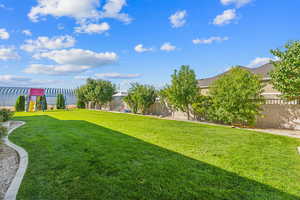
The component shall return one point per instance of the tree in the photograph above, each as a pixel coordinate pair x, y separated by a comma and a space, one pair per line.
60, 101
183, 89
201, 107
45, 104
41, 103
236, 97
20, 104
141, 97
99, 92
286, 75
104, 92
164, 98
81, 98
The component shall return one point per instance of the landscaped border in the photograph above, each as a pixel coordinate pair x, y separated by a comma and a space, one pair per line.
13, 189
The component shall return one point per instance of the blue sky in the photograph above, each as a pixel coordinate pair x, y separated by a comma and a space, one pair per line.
59, 43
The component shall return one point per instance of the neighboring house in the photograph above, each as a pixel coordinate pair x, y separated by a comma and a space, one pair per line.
263, 71
276, 112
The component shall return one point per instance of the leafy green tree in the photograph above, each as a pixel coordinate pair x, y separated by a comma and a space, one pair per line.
165, 99
183, 89
81, 98
99, 92
20, 104
286, 75
45, 104
141, 97
60, 102
236, 97
41, 103
201, 107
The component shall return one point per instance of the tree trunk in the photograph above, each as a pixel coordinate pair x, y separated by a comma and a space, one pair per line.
188, 112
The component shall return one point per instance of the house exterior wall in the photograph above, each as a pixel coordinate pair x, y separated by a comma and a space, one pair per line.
269, 91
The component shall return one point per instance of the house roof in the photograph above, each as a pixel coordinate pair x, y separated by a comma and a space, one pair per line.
262, 71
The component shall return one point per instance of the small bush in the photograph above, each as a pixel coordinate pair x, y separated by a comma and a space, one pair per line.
6, 115
60, 102
20, 104
41, 103
201, 107
3, 131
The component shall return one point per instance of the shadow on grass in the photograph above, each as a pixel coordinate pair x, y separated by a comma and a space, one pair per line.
81, 160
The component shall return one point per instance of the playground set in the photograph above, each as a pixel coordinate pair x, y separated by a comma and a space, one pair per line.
31, 103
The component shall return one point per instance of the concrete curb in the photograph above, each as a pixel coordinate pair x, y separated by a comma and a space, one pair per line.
13, 189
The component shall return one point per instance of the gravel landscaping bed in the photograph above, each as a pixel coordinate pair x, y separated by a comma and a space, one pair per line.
9, 162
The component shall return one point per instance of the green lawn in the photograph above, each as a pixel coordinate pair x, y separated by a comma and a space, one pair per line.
99, 155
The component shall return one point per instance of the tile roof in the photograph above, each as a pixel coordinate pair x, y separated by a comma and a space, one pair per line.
262, 70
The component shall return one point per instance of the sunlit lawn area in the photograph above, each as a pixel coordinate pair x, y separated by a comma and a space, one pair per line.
84, 154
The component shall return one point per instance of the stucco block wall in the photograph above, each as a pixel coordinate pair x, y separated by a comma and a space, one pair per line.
280, 116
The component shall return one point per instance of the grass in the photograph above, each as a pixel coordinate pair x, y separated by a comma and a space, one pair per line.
84, 154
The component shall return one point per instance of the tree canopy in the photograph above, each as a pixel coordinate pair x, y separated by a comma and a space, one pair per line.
20, 104
141, 97
236, 97
99, 92
286, 75
183, 89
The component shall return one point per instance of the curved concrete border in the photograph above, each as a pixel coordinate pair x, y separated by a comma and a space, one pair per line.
13, 189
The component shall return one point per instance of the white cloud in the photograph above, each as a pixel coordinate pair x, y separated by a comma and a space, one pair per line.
178, 19
117, 76
27, 32
238, 3
79, 57
15, 80
71, 61
226, 17
4, 35
112, 9
44, 43
167, 47
55, 69
210, 40
80, 10
112, 75
140, 48
8, 53
93, 28
260, 61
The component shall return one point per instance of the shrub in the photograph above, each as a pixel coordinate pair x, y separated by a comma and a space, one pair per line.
3, 131
20, 104
141, 97
201, 107
81, 99
41, 103
236, 97
60, 102
5, 115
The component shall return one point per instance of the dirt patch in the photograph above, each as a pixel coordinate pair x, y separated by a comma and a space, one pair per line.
9, 162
